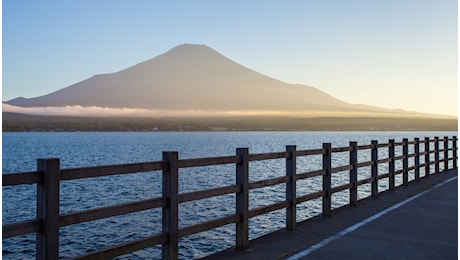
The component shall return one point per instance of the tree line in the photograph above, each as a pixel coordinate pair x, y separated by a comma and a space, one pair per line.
12, 123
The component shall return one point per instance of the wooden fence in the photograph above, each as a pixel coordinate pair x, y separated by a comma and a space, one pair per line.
49, 175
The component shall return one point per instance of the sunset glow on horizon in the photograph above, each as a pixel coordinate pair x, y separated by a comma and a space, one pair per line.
396, 54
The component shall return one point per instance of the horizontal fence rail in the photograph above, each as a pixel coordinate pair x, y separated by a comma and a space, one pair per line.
49, 175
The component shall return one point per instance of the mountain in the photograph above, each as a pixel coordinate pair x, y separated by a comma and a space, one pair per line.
196, 77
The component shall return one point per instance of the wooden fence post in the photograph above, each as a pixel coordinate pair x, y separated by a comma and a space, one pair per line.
291, 190
391, 165
405, 162
446, 153
375, 168
47, 243
427, 156
170, 214
327, 165
417, 158
354, 174
436, 154
454, 152
242, 199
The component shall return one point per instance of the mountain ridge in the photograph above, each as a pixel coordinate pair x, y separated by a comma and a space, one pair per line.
192, 77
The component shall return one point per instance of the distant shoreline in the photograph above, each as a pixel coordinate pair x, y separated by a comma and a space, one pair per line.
30, 123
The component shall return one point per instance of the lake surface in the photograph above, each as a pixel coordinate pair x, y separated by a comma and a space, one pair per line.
21, 150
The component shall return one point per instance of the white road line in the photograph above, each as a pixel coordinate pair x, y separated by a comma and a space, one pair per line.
342, 233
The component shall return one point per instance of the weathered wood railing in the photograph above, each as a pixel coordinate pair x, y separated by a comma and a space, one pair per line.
49, 175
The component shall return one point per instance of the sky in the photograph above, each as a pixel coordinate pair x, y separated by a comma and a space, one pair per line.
387, 53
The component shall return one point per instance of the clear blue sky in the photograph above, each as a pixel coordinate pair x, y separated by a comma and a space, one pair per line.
388, 53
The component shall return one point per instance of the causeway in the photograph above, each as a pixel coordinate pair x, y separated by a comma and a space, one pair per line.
418, 221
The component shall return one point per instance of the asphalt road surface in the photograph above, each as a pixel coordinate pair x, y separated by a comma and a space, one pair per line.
418, 221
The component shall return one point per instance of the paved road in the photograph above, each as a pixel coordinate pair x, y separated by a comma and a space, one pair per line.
424, 228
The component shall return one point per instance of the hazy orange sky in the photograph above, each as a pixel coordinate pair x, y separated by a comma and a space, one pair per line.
392, 53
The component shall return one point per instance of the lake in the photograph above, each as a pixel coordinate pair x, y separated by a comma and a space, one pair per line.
81, 149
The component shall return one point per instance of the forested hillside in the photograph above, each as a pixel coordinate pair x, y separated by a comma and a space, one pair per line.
20, 123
